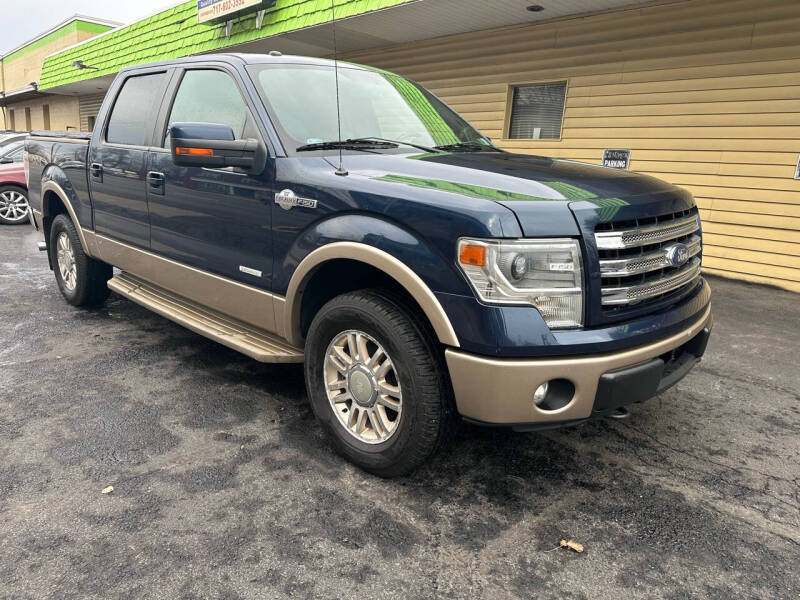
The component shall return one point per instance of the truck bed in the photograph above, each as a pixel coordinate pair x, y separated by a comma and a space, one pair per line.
69, 135
59, 158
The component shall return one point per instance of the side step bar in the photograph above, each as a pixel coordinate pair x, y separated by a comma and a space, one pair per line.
249, 340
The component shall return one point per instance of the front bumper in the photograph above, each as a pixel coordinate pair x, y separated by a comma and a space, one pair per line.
496, 391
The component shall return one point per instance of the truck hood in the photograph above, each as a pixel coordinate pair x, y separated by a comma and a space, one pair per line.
540, 191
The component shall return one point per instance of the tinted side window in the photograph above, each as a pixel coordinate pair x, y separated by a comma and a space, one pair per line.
134, 110
208, 96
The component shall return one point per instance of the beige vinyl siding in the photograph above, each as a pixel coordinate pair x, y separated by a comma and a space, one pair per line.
705, 93
89, 106
63, 112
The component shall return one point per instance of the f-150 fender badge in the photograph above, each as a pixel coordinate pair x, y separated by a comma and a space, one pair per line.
287, 200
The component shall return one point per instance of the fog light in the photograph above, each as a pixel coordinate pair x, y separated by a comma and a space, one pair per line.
540, 394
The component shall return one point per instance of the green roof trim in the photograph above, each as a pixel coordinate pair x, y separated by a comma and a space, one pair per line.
67, 29
175, 32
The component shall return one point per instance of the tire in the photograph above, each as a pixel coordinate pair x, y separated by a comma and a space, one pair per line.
14, 208
81, 279
416, 379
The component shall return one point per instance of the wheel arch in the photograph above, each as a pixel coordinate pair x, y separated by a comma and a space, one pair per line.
290, 310
14, 184
54, 197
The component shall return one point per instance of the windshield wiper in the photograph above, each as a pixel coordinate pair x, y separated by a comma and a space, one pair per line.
397, 143
365, 144
467, 146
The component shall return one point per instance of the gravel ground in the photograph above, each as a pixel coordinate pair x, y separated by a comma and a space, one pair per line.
224, 486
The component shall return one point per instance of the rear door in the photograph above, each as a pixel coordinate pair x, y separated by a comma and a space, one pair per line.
118, 159
216, 220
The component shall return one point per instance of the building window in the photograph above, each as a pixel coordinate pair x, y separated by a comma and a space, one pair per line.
12, 125
537, 111
46, 115
27, 119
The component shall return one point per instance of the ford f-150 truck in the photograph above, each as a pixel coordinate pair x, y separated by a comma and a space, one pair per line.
419, 272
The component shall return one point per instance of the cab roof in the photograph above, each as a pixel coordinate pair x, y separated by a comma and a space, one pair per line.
247, 59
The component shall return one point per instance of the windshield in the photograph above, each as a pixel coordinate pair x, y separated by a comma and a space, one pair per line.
374, 104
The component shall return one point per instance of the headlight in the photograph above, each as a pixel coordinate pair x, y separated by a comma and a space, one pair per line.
543, 273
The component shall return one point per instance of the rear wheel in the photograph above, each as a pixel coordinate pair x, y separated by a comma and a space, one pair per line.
377, 382
13, 205
81, 279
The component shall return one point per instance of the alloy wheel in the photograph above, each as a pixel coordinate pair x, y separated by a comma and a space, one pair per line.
65, 256
13, 206
363, 387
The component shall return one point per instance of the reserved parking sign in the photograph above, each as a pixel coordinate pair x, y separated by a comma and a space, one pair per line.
617, 159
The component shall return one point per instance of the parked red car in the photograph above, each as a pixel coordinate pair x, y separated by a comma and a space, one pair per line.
13, 187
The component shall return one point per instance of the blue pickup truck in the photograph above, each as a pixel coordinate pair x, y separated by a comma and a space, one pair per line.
421, 274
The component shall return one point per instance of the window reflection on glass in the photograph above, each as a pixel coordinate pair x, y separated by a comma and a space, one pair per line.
208, 96
302, 98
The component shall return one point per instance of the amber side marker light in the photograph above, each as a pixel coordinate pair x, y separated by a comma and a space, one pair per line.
473, 255
195, 151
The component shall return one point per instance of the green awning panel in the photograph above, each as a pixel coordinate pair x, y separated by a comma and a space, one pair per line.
175, 32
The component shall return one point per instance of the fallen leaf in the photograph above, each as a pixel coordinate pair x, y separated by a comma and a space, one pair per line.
572, 545
108, 490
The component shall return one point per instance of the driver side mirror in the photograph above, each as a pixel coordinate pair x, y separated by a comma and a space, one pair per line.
6, 160
215, 146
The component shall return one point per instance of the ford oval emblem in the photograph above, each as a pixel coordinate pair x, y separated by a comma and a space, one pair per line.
677, 254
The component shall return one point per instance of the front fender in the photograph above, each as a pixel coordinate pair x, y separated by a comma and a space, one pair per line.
382, 244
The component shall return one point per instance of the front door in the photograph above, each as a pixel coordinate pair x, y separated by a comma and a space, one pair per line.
217, 220
118, 161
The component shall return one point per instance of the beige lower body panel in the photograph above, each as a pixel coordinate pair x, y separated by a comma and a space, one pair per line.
255, 343
500, 391
242, 302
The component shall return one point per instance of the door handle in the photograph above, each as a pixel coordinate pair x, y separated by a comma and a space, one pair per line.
96, 172
155, 181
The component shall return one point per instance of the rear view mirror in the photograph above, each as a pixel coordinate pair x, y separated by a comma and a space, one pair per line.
214, 146
6, 160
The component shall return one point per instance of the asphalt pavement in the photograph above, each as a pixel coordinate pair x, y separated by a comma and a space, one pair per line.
224, 486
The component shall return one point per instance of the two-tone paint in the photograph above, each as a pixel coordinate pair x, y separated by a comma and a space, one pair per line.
401, 212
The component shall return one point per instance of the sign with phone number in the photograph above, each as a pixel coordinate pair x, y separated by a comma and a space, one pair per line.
222, 10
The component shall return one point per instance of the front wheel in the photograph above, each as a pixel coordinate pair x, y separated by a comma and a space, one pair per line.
81, 279
377, 382
13, 205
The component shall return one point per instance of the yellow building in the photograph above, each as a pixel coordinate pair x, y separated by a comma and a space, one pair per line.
24, 107
702, 93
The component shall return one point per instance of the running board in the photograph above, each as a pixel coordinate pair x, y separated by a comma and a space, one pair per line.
255, 343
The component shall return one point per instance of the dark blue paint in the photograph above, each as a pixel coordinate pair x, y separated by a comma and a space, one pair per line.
414, 206
202, 131
213, 219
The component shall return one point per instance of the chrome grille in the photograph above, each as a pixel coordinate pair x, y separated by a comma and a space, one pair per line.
635, 263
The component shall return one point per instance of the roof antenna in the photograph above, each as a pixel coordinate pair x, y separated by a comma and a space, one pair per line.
340, 170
